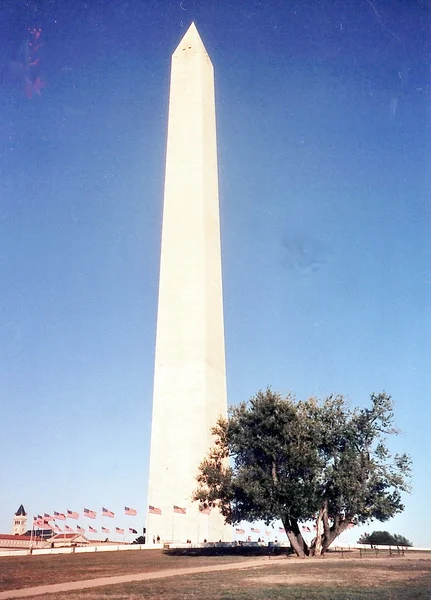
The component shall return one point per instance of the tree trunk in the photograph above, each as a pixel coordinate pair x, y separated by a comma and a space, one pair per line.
336, 530
318, 545
295, 538
325, 533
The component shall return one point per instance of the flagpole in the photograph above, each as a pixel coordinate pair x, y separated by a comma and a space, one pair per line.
173, 523
31, 536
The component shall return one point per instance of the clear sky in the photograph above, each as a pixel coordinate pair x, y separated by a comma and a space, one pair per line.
323, 115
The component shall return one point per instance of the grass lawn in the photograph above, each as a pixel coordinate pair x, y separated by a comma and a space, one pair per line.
28, 571
325, 579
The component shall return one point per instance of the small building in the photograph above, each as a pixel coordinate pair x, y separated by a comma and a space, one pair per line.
62, 540
22, 537
19, 542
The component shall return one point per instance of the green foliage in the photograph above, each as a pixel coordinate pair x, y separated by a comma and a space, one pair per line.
384, 538
278, 458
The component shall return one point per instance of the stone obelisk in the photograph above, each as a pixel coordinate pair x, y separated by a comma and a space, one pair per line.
190, 373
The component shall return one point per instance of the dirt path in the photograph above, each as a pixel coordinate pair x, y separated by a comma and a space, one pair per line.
92, 583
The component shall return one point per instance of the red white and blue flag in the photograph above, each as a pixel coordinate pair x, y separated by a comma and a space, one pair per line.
154, 511
132, 530
306, 529
179, 510
119, 530
105, 530
205, 511
48, 517
69, 529
81, 529
281, 530
89, 513
91, 529
57, 528
71, 514
107, 513
240, 531
130, 511
255, 530
59, 516
41, 522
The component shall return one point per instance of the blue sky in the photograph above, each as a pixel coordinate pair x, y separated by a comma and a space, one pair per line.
323, 135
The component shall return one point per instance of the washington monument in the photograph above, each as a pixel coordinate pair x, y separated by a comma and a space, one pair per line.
190, 372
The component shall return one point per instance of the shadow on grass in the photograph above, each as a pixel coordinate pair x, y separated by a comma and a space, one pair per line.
229, 551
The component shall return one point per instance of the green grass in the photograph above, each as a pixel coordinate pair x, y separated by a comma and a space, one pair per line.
28, 571
324, 579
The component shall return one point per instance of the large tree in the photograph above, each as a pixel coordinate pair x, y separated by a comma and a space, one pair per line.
276, 458
384, 538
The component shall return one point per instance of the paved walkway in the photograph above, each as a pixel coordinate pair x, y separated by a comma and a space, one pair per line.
92, 583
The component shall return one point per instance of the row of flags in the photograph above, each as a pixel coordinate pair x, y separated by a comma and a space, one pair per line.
90, 514
153, 510
43, 523
305, 529
241, 531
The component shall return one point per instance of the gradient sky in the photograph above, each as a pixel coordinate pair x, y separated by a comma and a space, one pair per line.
323, 135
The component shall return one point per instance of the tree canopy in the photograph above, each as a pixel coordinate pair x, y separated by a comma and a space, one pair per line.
278, 458
384, 538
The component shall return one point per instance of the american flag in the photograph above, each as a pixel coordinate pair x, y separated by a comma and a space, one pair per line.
179, 510
105, 530
81, 529
48, 517
306, 529
59, 516
281, 530
130, 511
89, 513
72, 514
154, 511
41, 522
91, 529
132, 530
107, 513
57, 528
119, 530
69, 529
240, 531
255, 530
205, 511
